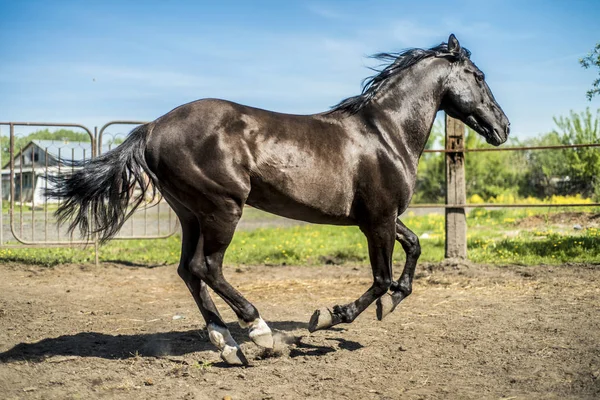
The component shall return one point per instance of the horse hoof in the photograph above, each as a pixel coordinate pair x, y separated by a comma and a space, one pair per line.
230, 351
321, 319
261, 334
385, 305
264, 340
233, 356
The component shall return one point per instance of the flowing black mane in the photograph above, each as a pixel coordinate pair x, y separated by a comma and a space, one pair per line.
399, 62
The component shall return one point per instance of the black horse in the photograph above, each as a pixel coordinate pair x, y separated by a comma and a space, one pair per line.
353, 165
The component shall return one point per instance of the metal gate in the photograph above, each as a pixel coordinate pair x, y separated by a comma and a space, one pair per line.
27, 217
30, 217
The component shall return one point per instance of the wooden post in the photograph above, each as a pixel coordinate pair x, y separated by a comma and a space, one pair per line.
456, 193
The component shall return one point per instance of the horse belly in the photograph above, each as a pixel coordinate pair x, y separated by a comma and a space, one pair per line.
303, 194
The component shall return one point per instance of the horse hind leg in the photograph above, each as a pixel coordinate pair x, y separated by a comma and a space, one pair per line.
220, 336
381, 246
218, 333
207, 264
403, 287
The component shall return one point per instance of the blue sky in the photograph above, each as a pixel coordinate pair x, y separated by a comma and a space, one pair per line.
94, 61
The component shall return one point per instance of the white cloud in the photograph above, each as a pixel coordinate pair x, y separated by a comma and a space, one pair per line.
326, 12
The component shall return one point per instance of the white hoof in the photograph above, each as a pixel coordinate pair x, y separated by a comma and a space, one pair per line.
260, 333
385, 305
230, 351
233, 356
321, 319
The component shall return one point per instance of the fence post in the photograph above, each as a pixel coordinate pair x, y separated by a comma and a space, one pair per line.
456, 193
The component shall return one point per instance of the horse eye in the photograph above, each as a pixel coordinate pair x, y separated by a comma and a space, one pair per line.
479, 77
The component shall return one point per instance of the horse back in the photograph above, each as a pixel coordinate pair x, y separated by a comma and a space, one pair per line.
307, 167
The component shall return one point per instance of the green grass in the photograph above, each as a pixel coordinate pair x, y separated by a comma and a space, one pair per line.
526, 249
136, 252
494, 236
311, 245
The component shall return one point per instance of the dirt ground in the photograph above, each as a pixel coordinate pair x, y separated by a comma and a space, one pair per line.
564, 219
468, 331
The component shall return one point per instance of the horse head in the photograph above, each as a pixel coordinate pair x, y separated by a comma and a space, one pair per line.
469, 98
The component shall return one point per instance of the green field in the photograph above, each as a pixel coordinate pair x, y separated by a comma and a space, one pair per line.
524, 236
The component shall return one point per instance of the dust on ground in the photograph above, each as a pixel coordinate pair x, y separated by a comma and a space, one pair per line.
563, 218
467, 331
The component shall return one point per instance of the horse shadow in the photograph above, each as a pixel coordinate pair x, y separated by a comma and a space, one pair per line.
161, 344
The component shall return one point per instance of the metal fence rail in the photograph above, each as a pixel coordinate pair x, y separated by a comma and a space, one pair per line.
34, 224
500, 205
31, 220
514, 148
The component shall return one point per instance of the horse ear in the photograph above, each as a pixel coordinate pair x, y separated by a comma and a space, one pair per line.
453, 45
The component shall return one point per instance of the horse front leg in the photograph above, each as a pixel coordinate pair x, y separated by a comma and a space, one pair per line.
381, 246
403, 287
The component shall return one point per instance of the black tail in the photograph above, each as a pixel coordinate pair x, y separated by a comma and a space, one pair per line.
97, 195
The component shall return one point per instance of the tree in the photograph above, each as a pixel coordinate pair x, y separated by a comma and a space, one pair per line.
544, 166
537, 173
488, 174
494, 173
430, 186
582, 164
592, 60
568, 171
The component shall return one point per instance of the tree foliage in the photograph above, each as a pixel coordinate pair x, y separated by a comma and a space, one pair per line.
592, 60
570, 171
491, 174
488, 174
430, 177
535, 173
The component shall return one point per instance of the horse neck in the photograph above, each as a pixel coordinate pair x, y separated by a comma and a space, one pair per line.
405, 109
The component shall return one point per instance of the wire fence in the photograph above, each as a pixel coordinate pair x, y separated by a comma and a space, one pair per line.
27, 217
566, 186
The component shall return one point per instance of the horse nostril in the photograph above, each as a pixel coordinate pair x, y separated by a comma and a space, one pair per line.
507, 131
